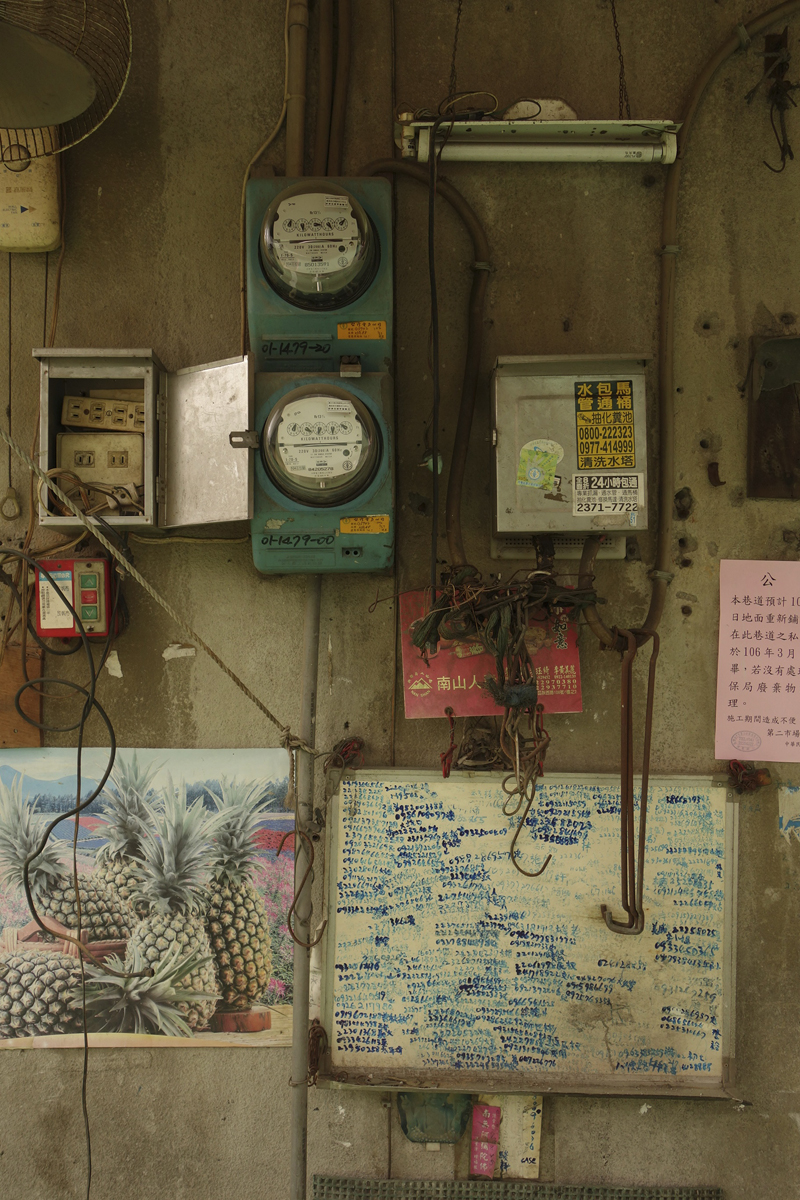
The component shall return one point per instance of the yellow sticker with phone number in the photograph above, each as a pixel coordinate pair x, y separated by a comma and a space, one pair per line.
371, 524
361, 331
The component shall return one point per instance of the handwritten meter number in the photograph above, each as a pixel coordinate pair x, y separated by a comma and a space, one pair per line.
318, 247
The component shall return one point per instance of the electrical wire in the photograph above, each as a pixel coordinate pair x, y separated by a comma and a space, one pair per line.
264, 146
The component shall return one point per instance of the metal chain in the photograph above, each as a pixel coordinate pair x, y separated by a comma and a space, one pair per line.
453, 76
624, 102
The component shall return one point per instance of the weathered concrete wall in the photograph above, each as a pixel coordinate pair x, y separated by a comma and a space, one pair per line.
152, 259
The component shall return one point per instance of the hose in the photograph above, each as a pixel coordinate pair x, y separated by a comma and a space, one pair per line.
324, 89
661, 575
296, 89
336, 144
469, 386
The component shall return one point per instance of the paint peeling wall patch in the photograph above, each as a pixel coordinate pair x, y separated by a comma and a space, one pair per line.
113, 665
789, 811
178, 650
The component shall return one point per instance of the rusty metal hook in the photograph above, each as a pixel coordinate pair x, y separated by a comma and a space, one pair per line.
632, 859
299, 890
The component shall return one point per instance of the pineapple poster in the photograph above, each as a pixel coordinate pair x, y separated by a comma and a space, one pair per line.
183, 897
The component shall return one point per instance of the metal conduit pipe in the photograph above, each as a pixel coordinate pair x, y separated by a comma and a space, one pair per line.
324, 88
472, 358
304, 815
296, 88
336, 144
666, 350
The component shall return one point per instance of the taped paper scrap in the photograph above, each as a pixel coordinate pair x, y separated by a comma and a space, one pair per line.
113, 665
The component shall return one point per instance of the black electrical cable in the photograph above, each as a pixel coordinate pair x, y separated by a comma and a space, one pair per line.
434, 164
90, 702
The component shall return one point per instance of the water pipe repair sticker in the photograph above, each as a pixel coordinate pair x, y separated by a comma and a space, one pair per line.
593, 494
604, 424
371, 524
361, 331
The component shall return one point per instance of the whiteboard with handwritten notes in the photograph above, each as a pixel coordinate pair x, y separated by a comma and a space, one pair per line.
445, 967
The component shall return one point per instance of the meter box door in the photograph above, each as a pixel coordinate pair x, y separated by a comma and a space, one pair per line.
319, 273
324, 479
570, 446
140, 445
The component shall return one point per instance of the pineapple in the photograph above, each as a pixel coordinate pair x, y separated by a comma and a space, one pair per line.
37, 988
125, 818
41, 993
236, 921
175, 865
104, 915
145, 1003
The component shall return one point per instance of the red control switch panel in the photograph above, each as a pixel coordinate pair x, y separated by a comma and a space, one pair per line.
88, 585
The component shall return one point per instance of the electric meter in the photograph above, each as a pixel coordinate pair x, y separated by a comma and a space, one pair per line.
319, 274
320, 447
318, 247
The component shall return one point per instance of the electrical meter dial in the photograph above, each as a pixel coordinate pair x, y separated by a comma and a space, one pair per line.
321, 446
318, 247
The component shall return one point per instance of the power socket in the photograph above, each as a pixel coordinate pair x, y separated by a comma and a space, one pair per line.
103, 412
100, 456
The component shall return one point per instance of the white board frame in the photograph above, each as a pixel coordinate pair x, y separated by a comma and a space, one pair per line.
396, 1075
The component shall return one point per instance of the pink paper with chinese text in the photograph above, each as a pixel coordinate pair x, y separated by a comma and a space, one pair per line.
758, 674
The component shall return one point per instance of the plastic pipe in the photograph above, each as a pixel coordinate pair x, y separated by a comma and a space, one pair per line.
339, 108
296, 88
662, 573
301, 961
324, 89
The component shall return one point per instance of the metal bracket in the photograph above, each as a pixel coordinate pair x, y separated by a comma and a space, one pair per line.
245, 439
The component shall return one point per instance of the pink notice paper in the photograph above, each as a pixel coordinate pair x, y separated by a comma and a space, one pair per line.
758, 701
485, 1135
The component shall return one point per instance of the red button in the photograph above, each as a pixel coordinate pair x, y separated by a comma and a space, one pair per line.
88, 597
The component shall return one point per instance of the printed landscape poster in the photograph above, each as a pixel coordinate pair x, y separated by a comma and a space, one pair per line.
180, 885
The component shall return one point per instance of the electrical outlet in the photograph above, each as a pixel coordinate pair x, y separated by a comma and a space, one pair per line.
118, 458
104, 412
111, 457
83, 458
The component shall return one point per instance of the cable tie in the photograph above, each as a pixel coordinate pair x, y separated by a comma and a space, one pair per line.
294, 96
745, 41
670, 249
667, 576
482, 266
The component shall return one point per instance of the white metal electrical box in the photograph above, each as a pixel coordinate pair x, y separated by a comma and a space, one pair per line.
142, 446
570, 448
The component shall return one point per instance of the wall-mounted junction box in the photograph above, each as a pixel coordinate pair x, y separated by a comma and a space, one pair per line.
189, 472
570, 451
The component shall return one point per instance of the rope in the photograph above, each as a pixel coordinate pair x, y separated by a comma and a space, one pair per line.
289, 741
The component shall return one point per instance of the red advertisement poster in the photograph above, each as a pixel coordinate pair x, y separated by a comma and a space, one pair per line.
454, 674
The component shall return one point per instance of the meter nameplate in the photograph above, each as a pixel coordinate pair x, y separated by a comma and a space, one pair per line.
315, 234
378, 523
361, 331
604, 424
53, 612
320, 437
594, 495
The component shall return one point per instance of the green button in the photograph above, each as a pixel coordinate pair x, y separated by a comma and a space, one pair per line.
88, 581
88, 612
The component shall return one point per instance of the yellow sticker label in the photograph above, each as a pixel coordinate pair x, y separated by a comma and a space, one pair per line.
376, 524
362, 331
604, 424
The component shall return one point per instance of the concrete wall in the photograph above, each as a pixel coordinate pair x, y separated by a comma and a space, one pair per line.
152, 260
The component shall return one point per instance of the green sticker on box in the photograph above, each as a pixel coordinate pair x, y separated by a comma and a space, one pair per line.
537, 464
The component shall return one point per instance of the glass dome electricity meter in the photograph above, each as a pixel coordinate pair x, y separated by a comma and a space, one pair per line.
318, 247
320, 447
